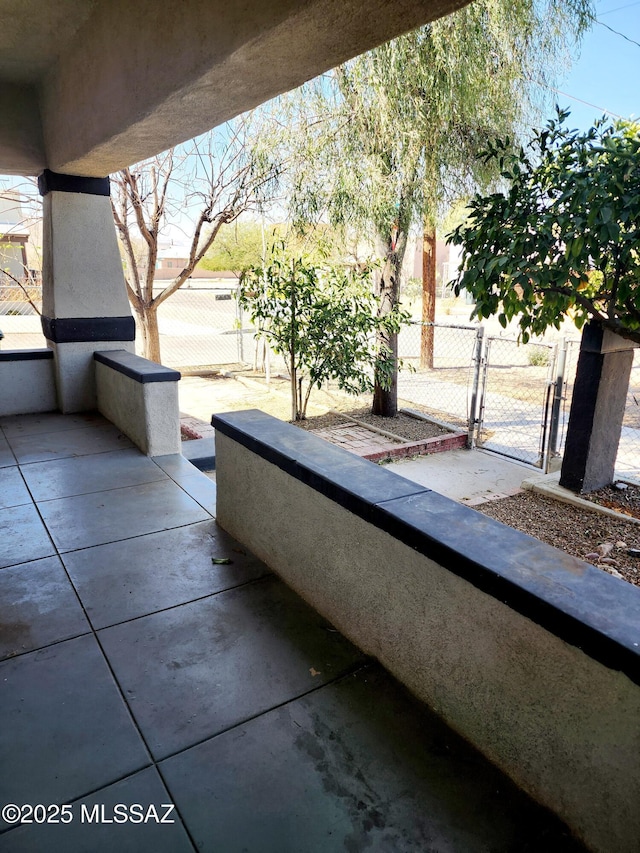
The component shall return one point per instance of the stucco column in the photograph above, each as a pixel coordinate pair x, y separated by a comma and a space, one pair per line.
597, 410
84, 300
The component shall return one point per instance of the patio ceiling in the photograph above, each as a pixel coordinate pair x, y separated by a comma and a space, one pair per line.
90, 86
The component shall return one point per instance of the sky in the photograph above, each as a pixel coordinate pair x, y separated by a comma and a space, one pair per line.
607, 72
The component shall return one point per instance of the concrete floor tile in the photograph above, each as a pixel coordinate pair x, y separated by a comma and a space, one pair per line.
37, 607
202, 489
197, 669
13, 491
24, 536
43, 447
81, 475
358, 765
6, 454
81, 834
48, 422
64, 729
194, 482
87, 520
176, 466
139, 576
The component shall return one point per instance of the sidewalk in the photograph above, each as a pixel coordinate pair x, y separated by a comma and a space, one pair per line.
470, 477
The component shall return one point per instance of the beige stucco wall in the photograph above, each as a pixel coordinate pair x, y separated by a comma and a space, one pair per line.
148, 413
563, 726
27, 387
82, 269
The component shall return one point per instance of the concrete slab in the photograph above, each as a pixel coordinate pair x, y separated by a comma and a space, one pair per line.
38, 606
60, 738
86, 520
193, 671
135, 577
359, 765
80, 475
6, 455
102, 835
42, 447
24, 536
468, 476
201, 452
14, 492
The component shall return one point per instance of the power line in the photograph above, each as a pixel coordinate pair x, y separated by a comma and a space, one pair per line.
618, 9
586, 103
616, 32
579, 100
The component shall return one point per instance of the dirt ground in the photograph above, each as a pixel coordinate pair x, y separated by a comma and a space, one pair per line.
577, 531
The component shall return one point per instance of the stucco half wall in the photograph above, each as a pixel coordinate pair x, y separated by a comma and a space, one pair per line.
498, 633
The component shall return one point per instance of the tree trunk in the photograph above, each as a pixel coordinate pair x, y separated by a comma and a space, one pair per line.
148, 325
428, 296
385, 400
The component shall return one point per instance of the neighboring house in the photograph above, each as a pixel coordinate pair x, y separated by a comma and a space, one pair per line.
13, 240
173, 259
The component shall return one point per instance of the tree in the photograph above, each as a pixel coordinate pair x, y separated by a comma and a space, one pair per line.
237, 247
391, 137
322, 319
564, 238
202, 186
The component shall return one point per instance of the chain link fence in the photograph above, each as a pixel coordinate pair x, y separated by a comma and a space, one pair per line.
507, 395
20, 308
517, 384
439, 364
200, 327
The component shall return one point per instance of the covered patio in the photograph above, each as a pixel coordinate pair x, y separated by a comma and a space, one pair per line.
150, 660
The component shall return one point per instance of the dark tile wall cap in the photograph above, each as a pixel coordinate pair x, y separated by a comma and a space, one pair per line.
25, 354
573, 600
136, 367
66, 330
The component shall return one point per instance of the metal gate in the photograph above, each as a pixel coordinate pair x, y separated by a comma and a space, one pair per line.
517, 399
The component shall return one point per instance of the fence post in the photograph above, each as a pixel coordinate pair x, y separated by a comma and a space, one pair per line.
558, 393
476, 360
240, 334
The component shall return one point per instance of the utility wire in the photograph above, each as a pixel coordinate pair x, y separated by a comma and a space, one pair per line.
580, 101
619, 8
616, 32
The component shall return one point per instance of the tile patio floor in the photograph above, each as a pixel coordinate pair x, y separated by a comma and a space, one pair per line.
135, 670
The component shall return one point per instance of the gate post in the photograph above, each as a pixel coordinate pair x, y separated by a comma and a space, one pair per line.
474, 403
558, 394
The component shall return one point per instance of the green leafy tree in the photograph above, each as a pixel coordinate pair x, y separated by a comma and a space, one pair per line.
564, 237
322, 320
237, 246
388, 140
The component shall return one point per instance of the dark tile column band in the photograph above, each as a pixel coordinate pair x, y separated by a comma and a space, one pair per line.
50, 181
64, 330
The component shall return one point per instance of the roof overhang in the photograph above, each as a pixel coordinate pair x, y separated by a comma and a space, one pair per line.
90, 86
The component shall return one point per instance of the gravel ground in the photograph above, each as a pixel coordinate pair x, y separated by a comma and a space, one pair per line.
577, 531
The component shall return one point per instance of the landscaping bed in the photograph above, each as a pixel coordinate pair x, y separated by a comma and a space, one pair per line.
579, 532
402, 426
